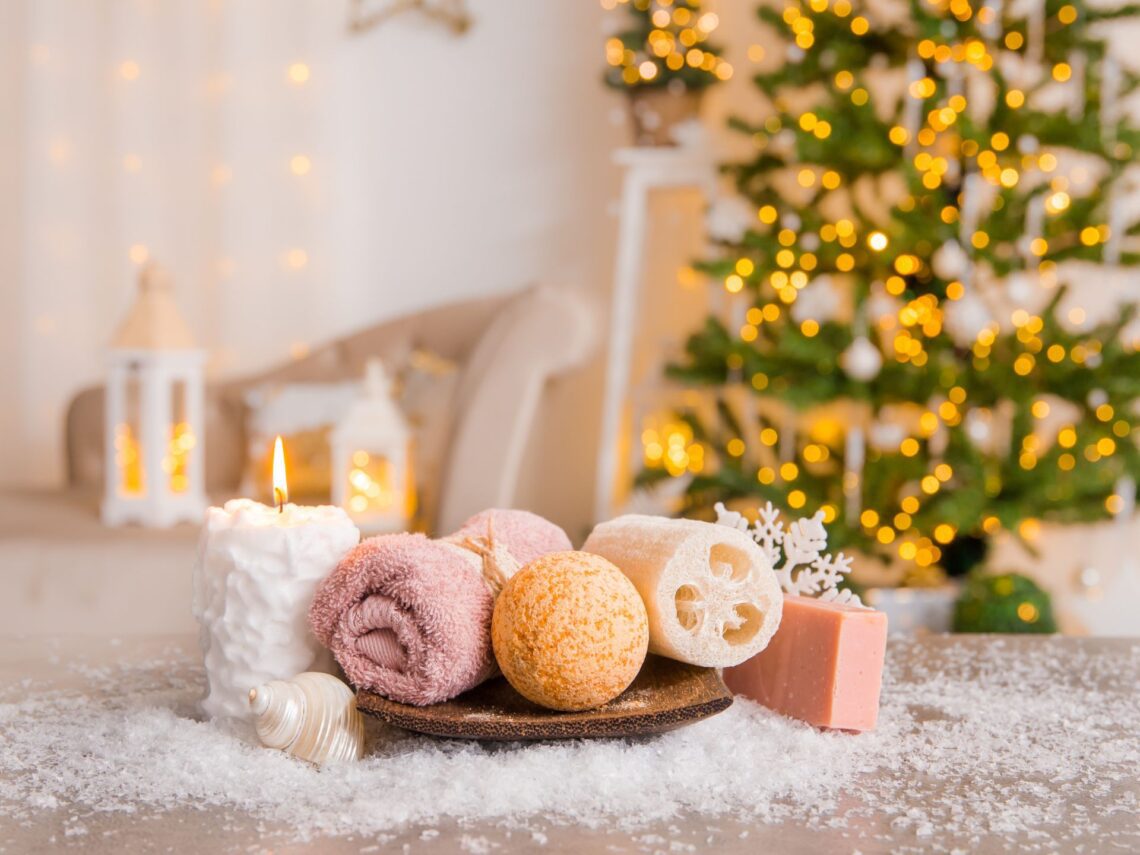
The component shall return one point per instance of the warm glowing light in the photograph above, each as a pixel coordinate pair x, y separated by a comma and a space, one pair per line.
296, 258
877, 241
129, 70
138, 253
128, 460
298, 73
176, 462
300, 165
671, 446
280, 483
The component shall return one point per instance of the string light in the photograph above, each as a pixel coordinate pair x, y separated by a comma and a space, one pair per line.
298, 73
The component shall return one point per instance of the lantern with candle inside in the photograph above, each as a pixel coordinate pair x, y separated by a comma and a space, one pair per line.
153, 414
372, 475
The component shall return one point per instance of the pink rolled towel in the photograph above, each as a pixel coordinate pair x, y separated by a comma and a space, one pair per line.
410, 618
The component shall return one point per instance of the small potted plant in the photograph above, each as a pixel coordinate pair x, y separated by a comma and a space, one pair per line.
664, 62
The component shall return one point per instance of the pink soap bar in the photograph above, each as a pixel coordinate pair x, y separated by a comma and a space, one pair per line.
824, 665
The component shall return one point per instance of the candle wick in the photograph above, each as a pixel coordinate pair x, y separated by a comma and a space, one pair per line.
279, 495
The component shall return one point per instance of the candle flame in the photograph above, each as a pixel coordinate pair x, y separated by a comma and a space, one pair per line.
280, 484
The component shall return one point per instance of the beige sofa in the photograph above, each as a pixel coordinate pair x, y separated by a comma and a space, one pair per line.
63, 572
505, 347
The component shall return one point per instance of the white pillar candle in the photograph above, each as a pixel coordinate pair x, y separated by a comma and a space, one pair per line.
257, 570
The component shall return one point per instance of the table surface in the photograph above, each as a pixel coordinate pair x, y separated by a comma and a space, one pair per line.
186, 829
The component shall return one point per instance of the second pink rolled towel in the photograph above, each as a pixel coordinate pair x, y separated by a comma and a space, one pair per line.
410, 618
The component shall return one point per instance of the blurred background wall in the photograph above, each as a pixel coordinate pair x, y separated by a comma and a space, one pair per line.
299, 181
302, 182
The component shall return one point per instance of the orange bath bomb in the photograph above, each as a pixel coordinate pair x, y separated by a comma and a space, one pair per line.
570, 631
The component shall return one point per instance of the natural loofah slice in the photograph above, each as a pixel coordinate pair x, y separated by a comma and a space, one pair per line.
569, 631
709, 590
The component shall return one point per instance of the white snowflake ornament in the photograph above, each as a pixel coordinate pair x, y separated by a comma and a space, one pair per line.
796, 553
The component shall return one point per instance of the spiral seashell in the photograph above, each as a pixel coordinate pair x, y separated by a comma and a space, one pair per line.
313, 717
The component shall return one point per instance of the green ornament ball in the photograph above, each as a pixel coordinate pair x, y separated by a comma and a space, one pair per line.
1003, 602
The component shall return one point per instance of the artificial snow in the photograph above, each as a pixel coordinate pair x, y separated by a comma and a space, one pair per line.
969, 743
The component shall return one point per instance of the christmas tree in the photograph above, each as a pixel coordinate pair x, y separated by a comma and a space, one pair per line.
664, 44
932, 188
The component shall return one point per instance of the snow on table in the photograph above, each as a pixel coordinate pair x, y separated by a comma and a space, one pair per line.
983, 742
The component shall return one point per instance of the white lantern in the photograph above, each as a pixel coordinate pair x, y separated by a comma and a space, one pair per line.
153, 414
372, 475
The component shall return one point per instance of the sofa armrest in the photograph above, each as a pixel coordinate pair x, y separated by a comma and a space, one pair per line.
535, 339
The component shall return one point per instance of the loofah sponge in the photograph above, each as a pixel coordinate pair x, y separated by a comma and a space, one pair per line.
570, 631
710, 592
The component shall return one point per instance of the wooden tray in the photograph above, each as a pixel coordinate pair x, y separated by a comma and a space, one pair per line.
666, 695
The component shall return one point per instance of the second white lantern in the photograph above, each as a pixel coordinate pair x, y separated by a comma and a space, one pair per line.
371, 467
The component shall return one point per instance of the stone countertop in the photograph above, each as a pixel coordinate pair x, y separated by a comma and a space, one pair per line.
1104, 675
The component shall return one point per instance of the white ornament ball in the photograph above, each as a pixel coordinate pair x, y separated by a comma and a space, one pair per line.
728, 219
1020, 287
980, 429
950, 261
862, 360
886, 435
817, 302
881, 305
965, 319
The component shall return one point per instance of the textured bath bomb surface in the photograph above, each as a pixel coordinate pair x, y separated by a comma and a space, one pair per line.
570, 631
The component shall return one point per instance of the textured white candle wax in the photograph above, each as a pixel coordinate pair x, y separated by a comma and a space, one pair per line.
254, 581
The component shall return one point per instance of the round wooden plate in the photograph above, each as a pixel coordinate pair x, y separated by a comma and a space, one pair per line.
666, 695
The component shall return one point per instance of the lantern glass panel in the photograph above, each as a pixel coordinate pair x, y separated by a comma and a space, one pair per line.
370, 483
128, 451
181, 441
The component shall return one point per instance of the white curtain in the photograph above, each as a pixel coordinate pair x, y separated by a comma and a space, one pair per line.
297, 181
